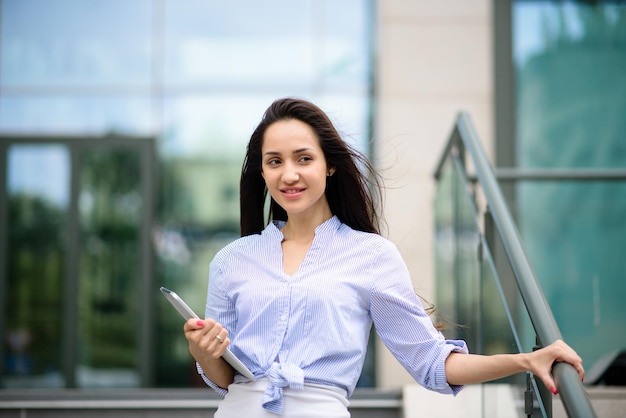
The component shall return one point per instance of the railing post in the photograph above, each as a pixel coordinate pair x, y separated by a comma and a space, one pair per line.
488, 225
480, 343
529, 406
544, 393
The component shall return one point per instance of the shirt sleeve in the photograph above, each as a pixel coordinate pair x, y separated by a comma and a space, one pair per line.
220, 308
209, 382
403, 325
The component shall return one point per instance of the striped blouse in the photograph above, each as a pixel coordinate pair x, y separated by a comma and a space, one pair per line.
313, 326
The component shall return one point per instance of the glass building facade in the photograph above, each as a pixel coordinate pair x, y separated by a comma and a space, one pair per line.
123, 127
570, 113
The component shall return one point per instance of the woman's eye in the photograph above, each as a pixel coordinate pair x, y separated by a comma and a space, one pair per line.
273, 161
305, 159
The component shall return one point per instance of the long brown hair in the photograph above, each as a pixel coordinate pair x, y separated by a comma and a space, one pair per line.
353, 191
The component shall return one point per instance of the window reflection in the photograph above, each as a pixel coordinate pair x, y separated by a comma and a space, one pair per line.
73, 43
282, 43
41, 171
38, 178
570, 101
76, 114
108, 306
216, 43
541, 25
345, 61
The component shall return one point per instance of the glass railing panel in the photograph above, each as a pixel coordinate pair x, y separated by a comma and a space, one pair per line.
498, 318
501, 322
457, 264
444, 246
477, 304
468, 263
506, 328
455, 200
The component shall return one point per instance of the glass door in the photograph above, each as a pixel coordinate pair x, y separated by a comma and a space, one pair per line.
109, 207
76, 268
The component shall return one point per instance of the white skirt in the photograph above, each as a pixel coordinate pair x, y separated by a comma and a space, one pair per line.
244, 400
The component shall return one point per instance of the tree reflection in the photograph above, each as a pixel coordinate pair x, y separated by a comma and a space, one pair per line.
35, 274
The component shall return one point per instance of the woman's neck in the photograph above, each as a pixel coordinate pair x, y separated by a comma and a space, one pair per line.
302, 228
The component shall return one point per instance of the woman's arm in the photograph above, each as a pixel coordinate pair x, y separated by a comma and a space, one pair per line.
472, 368
207, 349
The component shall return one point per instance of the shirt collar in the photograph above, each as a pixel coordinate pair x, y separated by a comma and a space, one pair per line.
326, 227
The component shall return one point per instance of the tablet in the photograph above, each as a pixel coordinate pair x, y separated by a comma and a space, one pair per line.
188, 313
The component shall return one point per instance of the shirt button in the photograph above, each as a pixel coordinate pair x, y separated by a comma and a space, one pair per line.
283, 317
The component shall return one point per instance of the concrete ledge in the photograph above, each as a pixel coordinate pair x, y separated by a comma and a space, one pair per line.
158, 403
474, 401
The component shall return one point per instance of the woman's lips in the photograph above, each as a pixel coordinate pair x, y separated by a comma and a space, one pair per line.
292, 193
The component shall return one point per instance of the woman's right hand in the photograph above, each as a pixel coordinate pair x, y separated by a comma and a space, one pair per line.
207, 339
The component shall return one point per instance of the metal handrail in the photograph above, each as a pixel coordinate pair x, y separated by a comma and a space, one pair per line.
464, 138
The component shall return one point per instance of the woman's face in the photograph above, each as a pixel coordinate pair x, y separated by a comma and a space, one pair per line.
294, 168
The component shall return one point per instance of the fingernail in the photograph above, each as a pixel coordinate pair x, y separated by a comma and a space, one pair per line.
200, 323
553, 390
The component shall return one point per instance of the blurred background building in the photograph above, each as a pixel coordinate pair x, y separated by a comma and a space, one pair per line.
123, 126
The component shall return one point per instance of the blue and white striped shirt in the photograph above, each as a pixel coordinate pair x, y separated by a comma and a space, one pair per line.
313, 326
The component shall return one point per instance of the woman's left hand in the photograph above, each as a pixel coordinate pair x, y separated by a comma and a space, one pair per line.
542, 360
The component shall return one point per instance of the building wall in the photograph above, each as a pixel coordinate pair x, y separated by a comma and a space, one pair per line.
433, 59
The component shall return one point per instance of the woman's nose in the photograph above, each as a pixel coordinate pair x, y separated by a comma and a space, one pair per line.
290, 175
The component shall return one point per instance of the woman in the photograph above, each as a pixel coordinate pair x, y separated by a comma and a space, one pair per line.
295, 298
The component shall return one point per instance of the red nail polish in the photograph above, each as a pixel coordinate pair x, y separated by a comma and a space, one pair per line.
200, 323
553, 390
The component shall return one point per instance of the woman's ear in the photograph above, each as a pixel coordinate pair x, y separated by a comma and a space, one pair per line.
331, 171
